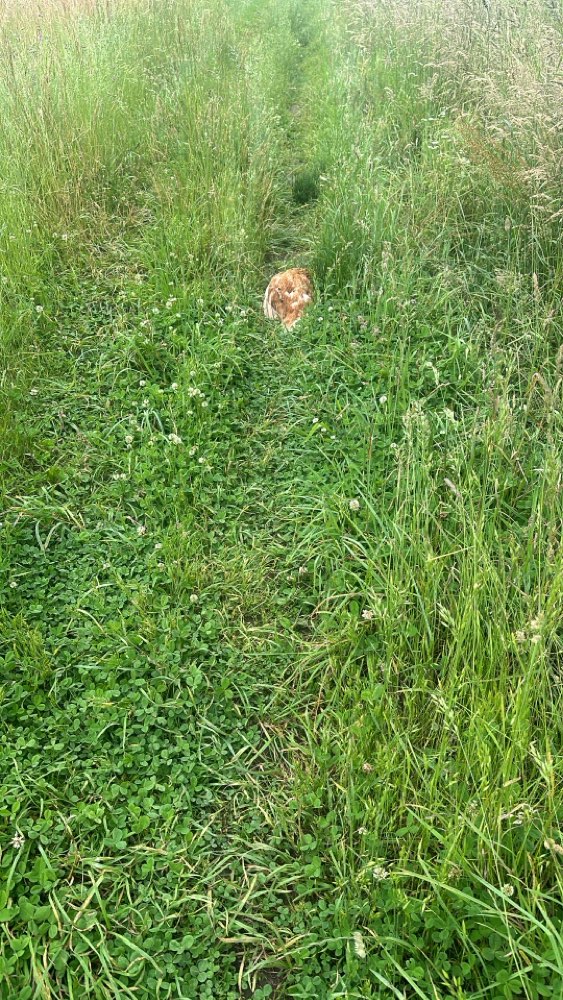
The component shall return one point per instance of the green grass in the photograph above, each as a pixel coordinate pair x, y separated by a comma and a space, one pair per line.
281, 641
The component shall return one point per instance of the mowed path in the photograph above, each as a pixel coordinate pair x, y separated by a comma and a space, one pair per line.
166, 586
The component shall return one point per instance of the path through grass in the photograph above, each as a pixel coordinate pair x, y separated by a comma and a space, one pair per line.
280, 694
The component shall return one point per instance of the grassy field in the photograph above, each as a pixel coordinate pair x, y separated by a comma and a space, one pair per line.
281, 624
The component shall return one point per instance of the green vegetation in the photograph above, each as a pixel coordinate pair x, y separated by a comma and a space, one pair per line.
281, 639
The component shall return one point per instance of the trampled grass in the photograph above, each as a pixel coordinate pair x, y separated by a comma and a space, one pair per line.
281, 641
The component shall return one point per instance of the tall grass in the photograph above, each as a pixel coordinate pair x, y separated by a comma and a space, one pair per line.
136, 117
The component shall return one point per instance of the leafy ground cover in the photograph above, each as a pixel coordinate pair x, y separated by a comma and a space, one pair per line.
281, 643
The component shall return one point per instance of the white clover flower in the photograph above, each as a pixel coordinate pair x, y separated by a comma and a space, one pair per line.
362, 830
175, 439
174, 386
354, 504
17, 841
368, 614
143, 383
39, 309
128, 440
379, 873
383, 400
141, 530
367, 767
192, 451
193, 598
359, 946
34, 392
508, 889
158, 546
13, 584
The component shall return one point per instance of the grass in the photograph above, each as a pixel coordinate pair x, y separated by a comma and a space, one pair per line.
281, 641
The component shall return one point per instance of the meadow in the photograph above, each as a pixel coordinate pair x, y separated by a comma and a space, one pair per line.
281, 623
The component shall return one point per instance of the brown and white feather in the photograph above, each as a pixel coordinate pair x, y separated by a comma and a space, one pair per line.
288, 295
